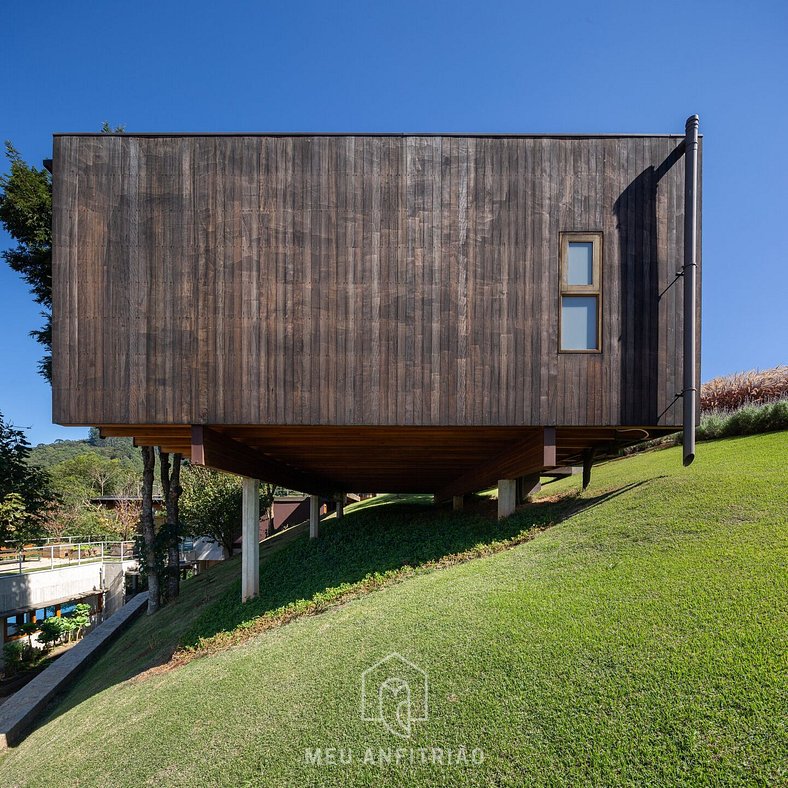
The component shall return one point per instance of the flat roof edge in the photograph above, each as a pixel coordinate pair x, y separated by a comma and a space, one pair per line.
355, 134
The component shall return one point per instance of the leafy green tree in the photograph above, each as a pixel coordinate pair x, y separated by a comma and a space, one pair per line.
45, 455
81, 470
25, 491
69, 628
89, 475
79, 479
152, 541
171, 486
14, 519
29, 628
13, 657
51, 630
211, 504
79, 618
26, 214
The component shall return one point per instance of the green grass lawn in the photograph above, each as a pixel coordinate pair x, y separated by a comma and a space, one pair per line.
639, 640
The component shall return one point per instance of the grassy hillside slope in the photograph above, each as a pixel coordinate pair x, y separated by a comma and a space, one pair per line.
638, 640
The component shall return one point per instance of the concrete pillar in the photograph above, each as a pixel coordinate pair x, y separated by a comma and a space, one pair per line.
340, 506
314, 516
529, 485
250, 539
457, 502
507, 497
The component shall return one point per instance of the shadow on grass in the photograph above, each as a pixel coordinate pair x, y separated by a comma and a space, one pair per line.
380, 535
376, 539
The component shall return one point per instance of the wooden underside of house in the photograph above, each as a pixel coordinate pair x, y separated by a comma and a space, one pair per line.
444, 461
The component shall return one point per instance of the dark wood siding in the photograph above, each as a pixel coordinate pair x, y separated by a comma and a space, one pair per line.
377, 280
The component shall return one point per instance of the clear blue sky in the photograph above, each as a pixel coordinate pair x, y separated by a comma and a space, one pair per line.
424, 66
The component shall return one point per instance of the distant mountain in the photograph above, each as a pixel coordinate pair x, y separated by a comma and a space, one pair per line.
45, 455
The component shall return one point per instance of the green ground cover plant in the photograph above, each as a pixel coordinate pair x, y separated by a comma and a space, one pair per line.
637, 637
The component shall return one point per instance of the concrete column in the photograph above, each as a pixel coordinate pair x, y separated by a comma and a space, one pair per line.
457, 502
341, 506
529, 485
250, 539
314, 516
507, 497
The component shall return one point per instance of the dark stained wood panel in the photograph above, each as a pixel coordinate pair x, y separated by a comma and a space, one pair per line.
361, 280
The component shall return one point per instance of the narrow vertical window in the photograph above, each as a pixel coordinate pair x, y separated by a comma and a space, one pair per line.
580, 312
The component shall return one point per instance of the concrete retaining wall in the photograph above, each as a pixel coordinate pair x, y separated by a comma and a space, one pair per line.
38, 589
19, 713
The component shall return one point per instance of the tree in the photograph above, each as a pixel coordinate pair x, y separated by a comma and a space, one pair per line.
82, 477
127, 518
14, 519
52, 629
29, 628
25, 491
150, 558
78, 619
88, 475
13, 657
211, 504
171, 487
26, 214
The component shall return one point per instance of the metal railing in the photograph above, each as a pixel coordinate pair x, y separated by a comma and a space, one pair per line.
64, 554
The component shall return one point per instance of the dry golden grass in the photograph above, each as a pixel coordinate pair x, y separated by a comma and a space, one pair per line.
754, 387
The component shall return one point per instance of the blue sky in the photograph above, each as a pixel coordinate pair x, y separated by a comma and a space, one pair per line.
424, 66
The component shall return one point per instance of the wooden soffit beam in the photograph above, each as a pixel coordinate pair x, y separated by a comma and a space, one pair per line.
530, 455
215, 450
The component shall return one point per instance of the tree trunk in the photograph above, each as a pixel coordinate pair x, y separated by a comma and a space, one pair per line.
149, 526
171, 487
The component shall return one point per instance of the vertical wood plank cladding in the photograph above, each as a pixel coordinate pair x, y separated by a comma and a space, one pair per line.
360, 280
62, 224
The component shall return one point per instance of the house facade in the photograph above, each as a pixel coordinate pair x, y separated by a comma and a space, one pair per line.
398, 313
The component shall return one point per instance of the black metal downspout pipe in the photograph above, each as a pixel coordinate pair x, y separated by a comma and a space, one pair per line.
690, 270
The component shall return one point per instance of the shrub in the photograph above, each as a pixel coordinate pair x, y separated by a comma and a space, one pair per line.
52, 629
13, 656
77, 620
29, 629
747, 420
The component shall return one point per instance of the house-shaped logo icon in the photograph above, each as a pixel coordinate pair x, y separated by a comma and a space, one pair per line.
395, 692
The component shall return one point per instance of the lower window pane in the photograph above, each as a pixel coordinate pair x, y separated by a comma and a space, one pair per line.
579, 323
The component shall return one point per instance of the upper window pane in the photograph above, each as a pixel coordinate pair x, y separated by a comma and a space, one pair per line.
579, 323
580, 265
